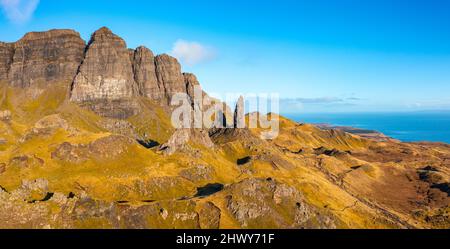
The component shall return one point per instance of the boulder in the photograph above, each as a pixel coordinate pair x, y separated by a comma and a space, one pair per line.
181, 137
191, 82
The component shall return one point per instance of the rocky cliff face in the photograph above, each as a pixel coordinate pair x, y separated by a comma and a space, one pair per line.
6, 56
190, 81
106, 71
103, 75
43, 58
168, 72
145, 74
157, 78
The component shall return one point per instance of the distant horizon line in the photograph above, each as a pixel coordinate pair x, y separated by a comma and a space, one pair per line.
368, 112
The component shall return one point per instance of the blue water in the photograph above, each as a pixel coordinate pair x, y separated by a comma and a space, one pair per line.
407, 127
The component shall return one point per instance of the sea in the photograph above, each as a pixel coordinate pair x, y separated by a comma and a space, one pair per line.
406, 127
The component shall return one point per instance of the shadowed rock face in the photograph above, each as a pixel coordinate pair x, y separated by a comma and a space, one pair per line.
44, 58
191, 81
106, 72
104, 75
105, 80
145, 74
168, 72
6, 56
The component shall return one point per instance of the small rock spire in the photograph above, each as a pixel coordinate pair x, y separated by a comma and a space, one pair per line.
239, 115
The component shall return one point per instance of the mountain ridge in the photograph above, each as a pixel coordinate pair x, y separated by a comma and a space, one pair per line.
103, 71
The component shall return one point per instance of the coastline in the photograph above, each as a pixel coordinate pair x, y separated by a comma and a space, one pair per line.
364, 133
411, 127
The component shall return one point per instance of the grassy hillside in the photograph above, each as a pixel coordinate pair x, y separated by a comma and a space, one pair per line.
62, 166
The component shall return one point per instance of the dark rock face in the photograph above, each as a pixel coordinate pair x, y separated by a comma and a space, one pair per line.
106, 72
168, 72
160, 77
44, 58
181, 137
191, 82
105, 81
6, 57
104, 75
145, 74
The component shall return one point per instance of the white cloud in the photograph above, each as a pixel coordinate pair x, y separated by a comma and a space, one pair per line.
19, 11
192, 53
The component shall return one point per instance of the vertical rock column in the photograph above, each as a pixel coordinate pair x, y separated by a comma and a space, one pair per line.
239, 114
168, 73
145, 74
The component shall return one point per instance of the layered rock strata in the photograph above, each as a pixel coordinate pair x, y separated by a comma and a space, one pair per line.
103, 74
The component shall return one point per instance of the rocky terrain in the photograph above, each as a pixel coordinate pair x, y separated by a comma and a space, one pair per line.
86, 142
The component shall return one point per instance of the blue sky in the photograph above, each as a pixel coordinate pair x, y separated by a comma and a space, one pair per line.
320, 56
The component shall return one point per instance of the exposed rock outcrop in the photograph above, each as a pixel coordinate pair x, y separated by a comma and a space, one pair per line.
262, 203
181, 137
239, 114
47, 126
178, 140
209, 216
26, 161
104, 75
145, 74
191, 82
43, 58
105, 80
5, 115
168, 72
6, 57
106, 72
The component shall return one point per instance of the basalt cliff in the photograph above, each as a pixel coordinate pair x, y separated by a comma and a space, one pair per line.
86, 141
